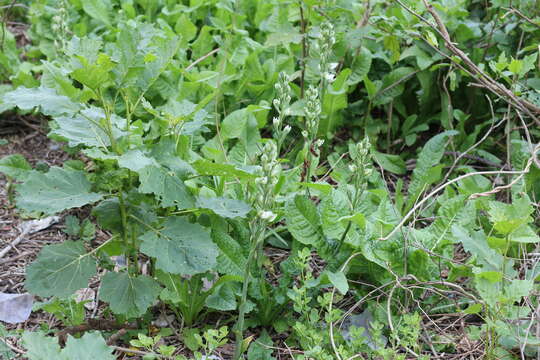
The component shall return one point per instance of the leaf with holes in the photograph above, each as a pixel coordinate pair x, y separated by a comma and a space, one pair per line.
60, 270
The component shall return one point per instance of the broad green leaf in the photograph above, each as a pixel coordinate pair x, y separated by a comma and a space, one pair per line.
186, 28
55, 191
231, 259
392, 163
453, 211
339, 280
477, 245
518, 289
169, 189
303, 220
60, 270
360, 66
88, 128
261, 348
90, 346
524, 234
208, 168
98, 10
473, 309
15, 166
429, 157
135, 160
128, 295
508, 217
47, 99
42, 347
180, 247
223, 297
228, 208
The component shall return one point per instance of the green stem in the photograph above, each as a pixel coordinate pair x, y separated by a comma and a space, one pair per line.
123, 216
239, 328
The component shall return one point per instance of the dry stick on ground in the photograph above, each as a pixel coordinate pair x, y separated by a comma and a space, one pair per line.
94, 324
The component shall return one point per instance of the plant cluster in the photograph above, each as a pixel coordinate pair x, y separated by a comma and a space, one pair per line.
287, 165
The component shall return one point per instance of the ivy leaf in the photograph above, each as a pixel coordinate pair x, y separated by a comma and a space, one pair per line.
129, 295
89, 347
228, 208
180, 247
47, 99
170, 190
60, 270
303, 220
15, 166
55, 191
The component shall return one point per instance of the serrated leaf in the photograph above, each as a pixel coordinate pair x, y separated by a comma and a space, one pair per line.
55, 191
15, 166
303, 220
128, 295
90, 346
60, 270
49, 102
169, 189
228, 208
180, 247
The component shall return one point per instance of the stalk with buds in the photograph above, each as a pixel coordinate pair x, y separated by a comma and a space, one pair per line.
281, 104
262, 197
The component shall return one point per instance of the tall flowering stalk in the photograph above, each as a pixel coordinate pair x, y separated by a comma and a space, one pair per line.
261, 194
281, 104
312, 145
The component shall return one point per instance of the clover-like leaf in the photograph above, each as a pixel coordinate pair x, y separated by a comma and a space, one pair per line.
129, 295
55, 191
180, 247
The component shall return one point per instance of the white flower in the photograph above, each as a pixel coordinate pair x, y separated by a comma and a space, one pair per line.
267, 215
